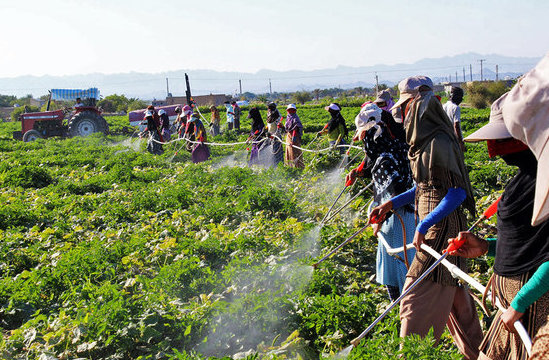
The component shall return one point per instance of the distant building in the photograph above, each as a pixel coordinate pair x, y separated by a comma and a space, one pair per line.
156, 103
201, 100
5, 112
36, 103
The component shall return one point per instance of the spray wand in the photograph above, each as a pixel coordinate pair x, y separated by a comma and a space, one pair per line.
454, 245
373, 220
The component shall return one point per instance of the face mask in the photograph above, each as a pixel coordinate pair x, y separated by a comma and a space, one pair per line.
504, 147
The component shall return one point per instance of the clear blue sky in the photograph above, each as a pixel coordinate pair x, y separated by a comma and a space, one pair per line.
64, 37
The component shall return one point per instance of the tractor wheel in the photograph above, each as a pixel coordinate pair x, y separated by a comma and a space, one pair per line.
86, 123
31, 135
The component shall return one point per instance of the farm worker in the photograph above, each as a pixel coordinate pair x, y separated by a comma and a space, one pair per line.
215, 121
230, 115
452, 109
294, 130
521, 267
200, 151
336, 127
526, 116
154, 145
257, 137
164, 125
274, 129
391, 174
237, 113
182, 118
385, 102
442, 187
78, 103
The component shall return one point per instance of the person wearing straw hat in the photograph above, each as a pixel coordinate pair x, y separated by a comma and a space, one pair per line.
294, 129
442, 190
521, 267
391, 175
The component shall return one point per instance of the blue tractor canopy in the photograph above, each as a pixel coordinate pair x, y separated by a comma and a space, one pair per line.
73, 94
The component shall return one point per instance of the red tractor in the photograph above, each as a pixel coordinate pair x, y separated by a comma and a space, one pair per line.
83, 120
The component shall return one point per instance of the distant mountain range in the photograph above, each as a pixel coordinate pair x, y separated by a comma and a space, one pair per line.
150, 86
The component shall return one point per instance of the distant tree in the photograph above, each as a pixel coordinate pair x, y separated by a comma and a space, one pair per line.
316, 94
136, 104
7, 100
481, 95
301, 97
262, 98
22, 109
114, 103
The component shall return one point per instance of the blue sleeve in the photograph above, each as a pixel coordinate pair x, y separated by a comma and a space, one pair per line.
533, 289
451, 201
405, 198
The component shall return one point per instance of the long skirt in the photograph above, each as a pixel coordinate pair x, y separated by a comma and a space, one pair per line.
153, 144
200, 153
293, 156
498, 343
391, 271
166, 134
277, 151
214, 130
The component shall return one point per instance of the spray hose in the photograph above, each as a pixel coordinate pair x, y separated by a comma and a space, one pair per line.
454, 270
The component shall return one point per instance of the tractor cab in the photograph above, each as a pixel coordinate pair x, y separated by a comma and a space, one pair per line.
81, 120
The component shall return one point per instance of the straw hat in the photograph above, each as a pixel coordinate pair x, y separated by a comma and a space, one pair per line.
526, 115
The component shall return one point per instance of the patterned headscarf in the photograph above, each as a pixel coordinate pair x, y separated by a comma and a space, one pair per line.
391, 169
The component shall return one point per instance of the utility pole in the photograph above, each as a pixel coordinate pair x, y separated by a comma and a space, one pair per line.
456, 76
240, 84
481, 75
167, 88
497, 73
464, 74
471, 72
377, 85
270, 87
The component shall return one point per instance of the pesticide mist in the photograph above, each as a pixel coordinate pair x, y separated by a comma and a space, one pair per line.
258, 310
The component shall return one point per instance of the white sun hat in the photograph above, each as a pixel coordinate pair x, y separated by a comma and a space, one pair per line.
526, 115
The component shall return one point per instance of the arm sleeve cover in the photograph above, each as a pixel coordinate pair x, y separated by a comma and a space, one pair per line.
454, 197
405, 198
533, 289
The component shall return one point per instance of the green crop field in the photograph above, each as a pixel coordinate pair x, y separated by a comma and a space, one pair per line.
108, 252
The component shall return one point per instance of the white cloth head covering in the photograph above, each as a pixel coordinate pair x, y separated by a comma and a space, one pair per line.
526, 115
368, 116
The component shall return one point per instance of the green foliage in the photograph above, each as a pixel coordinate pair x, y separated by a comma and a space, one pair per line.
301, 97
7, 100
120, 103
27, 176
109, 252
22, 109
481, 95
